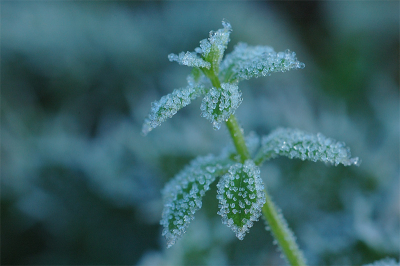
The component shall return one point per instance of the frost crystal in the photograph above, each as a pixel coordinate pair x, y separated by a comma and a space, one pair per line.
246, 62
212, 50
294, 143
241, 196
189, 59
169, 105
218, 104
289, 238
183, 194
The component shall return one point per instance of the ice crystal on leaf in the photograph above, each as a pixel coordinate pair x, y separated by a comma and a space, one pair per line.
246, 62
183, 194
213, 48
218, 104
189, 59
169, 105
241, 196
295, 143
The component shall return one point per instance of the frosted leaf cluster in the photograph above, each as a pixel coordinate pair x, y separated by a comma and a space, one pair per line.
219, 104
213, 48
246, 62
295, 143
169, 105
210, 52
183, 194
189, 59
241, 197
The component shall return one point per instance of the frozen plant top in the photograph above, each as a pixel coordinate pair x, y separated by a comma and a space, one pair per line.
208, 63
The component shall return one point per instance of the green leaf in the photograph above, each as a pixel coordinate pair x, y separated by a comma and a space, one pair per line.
246, 62
213, 48
219, 103
241, 197
189, 59
169, 105
294, 143
183, 194
209, 55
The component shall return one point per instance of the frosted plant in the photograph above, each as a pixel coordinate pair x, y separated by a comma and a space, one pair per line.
241, 193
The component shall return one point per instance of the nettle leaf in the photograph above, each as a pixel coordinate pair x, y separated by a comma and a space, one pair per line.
241, 196
213, 48
219, 104
169, 105
209, 55
189, 59
295, 143
183, 194
246, 62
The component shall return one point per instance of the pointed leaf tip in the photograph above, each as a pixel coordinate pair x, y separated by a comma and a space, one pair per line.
169, 105
295, 143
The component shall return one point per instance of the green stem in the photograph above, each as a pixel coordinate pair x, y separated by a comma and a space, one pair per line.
238, 138
275, 219
277, 223
282, 233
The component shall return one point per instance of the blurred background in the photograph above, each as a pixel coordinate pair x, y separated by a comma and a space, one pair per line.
80, 185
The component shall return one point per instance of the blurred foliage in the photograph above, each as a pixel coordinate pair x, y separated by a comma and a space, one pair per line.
80, 185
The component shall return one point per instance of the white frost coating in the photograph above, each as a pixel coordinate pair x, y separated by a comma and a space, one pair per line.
189, 59
169, 105
218, 104
241, 197
384, 262
214, 47
183, 194
246, 62
294, 143
289, 236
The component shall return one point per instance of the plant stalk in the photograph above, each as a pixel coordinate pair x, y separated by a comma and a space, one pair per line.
282, 233
275, 219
